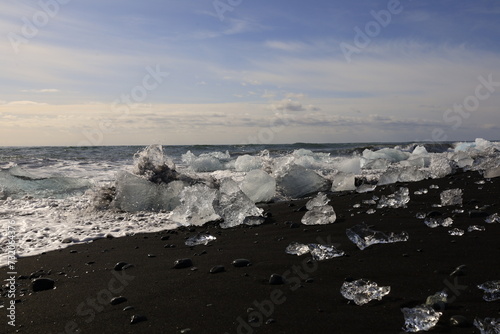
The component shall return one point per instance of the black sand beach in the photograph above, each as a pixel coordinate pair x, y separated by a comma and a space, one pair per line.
241, 300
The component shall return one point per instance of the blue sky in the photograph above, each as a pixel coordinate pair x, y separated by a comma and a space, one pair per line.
239, 71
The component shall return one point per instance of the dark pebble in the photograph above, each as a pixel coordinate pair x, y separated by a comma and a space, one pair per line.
301, 209
276, 279
151, 255
241, 263
459, 271
183, 263
270, 321
137, 318
478, 214
118, 300
128, 308
41, 284
217, 269
165, 237
89, 263
73, 251
122, 266
295, 225
434, 214
459, 321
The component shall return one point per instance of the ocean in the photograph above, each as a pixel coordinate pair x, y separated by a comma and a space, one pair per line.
48, 194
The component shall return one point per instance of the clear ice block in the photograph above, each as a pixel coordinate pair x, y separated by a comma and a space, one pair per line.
200, 239
363, 236
488, 325
420, 318
396, 200
319, 252
451, 197
491, 290
363, 291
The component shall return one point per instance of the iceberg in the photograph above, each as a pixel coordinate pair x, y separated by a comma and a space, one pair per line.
363, 291
299, 181
258, 186
451, 197
420, 318
363, 236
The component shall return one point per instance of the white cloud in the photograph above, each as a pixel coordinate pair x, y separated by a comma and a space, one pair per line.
25, 103
47, 90
285, 46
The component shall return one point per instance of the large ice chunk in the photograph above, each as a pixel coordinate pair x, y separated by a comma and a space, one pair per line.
259, 186
235, 207
491, 290
390, 154
363, 236
451, 197
420, 318
488, 325
319, 211
197, 205
492, 172
398, 199
404, 174
154, 165
343, 182
246, 163
299, 181
202, 163
363, 291
349, 165
440, 166
134, 193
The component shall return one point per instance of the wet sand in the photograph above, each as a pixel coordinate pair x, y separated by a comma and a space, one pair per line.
193, 300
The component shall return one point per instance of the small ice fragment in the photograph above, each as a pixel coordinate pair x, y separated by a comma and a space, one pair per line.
451, 197
494, 218
296, 248
491, 290
435, 222
201, 239
420, 215
438, 297
488, 325
320, 200
420, 318
456, 232
369, 202
458, 211
480, 182
319, 252
473, 228
371, 211
433, 186
324, 252
363, 236
421, 191
363, 291
357, 205
396, 200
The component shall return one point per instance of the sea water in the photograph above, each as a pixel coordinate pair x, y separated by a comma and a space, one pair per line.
48, 194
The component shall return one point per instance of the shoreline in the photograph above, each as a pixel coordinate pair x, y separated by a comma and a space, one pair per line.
174, 300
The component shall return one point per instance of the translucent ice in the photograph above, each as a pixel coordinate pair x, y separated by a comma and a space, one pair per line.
363, 236
349, 166
324, 252
319, 211
299, 181
259, 186
200, 239
16, 182
440, 296
197, 206
343, 182
296, 248
494, 218
390, 154
456, 232
492, 172
491, 290
134, 193
473, 228
488, 325
365, 188
235, 207
246, 163
202, 163
154, 165
363, 291
420, 318
451, 197
396, 200
435, 222
319, 252
440, 166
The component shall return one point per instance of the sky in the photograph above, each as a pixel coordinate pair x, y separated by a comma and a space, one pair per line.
123, 72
